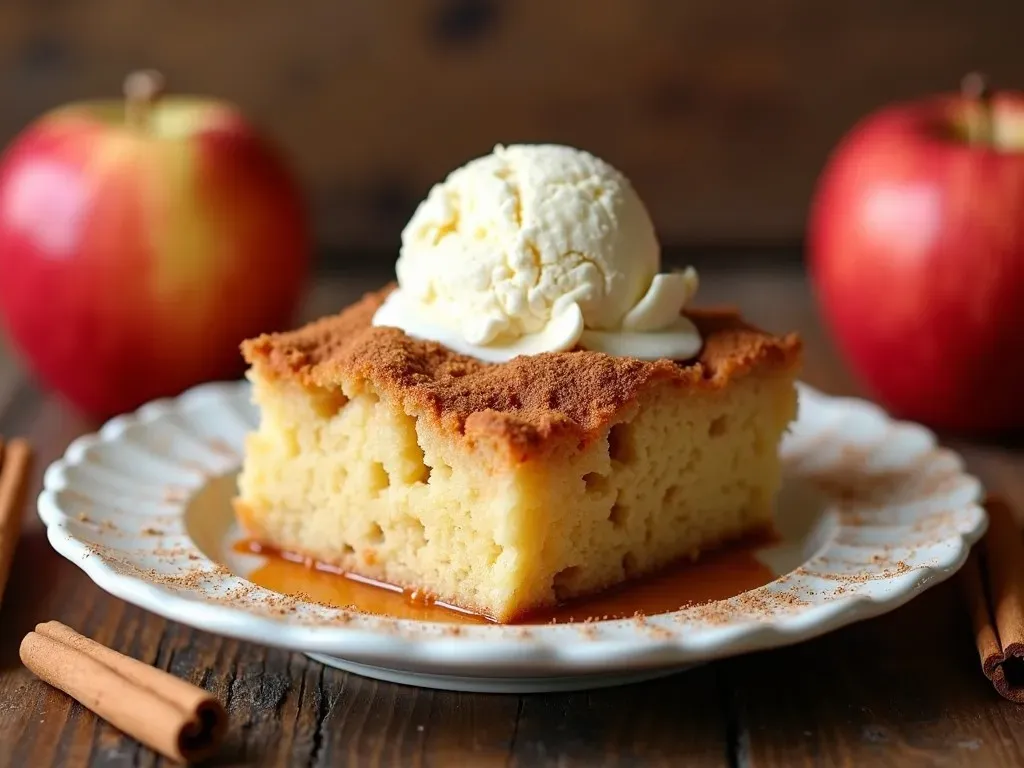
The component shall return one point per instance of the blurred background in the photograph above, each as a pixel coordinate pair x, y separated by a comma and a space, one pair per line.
721, 113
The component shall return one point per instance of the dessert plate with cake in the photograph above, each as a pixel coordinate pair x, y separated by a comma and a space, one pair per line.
530, 463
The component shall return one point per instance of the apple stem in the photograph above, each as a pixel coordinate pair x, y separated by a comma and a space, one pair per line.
975, 88
141, 90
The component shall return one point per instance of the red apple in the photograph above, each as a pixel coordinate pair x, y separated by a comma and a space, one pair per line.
916, 254
141, 241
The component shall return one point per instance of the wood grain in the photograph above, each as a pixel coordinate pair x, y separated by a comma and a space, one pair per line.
904, 689
712, 109
901, 690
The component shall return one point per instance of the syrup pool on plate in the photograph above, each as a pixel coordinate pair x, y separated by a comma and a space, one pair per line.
716, 576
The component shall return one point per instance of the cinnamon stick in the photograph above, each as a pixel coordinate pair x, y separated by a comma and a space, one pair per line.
993, 582
15, 463
167, 714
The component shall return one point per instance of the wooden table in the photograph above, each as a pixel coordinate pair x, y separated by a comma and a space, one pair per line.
904, 689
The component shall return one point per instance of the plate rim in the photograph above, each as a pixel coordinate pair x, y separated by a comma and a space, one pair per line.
543, 649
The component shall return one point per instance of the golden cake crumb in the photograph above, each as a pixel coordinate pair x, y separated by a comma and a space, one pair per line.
510, 487
525, 401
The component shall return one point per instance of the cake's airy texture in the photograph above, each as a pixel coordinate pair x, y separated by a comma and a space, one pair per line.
506, 488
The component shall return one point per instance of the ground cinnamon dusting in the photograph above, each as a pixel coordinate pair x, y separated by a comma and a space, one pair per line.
173, 494
755, 604
220, 446
524, 401
659, 633
198, 467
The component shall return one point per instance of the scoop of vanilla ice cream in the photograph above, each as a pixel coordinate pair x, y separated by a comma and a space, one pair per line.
537, 248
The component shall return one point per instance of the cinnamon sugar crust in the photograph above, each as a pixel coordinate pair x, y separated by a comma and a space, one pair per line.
524, 403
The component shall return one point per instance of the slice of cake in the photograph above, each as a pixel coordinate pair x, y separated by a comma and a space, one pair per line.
508, 487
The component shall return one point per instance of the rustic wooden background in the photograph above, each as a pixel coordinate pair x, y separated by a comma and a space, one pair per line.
721, 112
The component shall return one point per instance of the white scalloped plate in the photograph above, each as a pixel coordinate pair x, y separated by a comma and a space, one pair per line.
872, 513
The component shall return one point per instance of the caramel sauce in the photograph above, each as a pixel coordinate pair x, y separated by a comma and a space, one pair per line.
718, 575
